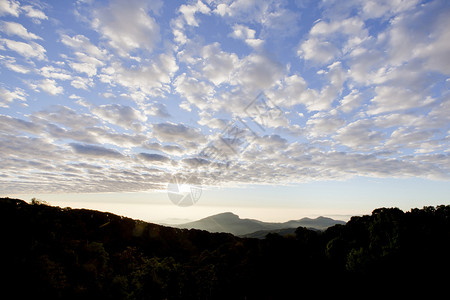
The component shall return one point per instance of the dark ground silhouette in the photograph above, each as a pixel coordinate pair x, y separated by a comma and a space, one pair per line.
51, 252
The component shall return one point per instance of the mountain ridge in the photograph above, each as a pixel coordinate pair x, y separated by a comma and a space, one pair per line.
231, 223
64, 253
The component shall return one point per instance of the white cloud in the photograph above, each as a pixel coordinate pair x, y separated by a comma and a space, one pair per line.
217, 64
157, 109
246, 34
125, 116
150, 79
178, 133
289, 91
384, 8
55, 73
405, 138
360, 135
34, 13
65, 116
13, 28
195, 91
9, 7
49, 86
242, 32
349, 26
81, 43
172, 149
317, 50
10, 125
10, 63
367, 96
323, 124
127, 25
189, 11
27, 50
394, 98
12, 7
87, 68
351, 101
7, 97
237, 7
258, 72
409, 42
82, 83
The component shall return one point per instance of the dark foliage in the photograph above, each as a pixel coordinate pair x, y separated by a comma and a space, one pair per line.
53, 253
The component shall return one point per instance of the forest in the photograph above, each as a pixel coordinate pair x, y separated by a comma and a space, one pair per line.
50, 252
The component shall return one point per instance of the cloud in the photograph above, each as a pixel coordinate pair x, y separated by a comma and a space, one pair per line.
47, 85
127, 26
376, 9
153, 157
82, 83
350, 101
360, 135
395, 98
151, 79
27, 147
189, 11
328, 40
158, 110
242, 32
7, 97
405, 138
349, 26
65, 116
10, 125
10, 63
124, 116
317, 50
34, 13
407, 41
289, 91
250, 10
27, 50
323, 124
96, 151
13, 28
55, 73
360, 91
195, 91
271, 144
81, 43
12, 7
178, 133
171, 149
217, 64
87, 68
9, 7
257, 71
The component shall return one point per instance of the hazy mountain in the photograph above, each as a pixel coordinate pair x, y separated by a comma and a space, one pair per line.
231, 223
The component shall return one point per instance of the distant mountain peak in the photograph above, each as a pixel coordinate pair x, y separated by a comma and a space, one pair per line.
232, 223
226, 215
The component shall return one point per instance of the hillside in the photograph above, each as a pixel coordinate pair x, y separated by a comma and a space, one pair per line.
261, 234
63, 253
231, 223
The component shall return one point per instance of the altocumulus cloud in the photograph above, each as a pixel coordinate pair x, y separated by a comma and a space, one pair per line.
97, 151
360, 89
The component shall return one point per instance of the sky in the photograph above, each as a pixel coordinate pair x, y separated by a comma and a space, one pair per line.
275, 110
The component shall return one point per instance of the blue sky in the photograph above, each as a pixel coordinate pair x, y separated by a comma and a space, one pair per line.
253, 100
